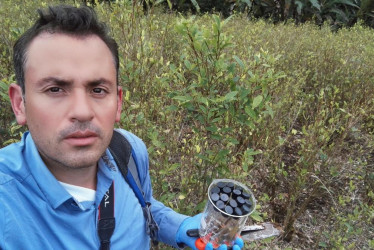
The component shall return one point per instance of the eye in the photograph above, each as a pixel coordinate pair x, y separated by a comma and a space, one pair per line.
55, 89
99, 91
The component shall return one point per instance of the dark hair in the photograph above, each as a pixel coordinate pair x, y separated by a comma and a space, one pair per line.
62, 19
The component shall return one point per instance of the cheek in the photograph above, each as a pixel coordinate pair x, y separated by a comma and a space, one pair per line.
40, 121
109, 108
40, 117
112, 116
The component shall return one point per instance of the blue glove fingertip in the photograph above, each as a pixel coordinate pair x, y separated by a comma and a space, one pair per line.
236, 247
209, 246
239, 241
222, 247
190, 223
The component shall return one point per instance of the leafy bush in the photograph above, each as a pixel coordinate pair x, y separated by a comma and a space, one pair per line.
287, 109
337, 13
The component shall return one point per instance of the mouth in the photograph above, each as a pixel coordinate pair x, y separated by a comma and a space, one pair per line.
81, 138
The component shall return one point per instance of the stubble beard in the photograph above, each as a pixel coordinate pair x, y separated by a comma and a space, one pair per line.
76, 158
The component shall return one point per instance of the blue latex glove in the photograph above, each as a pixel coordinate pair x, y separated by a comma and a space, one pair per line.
194, 223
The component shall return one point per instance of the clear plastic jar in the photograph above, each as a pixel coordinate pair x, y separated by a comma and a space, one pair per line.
226, 212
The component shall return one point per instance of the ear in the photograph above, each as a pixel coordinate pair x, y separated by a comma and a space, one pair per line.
119, 104
18, 104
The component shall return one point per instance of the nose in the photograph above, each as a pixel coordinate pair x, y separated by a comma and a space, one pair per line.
81, 108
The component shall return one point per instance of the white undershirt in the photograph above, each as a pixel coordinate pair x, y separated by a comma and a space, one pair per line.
79, 193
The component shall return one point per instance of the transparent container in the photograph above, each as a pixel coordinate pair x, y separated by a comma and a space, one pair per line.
220, 224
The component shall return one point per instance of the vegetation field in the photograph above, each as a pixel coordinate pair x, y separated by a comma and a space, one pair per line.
286, 109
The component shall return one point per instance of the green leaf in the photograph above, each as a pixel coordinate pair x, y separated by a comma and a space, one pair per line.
182, 98
340, 14
240, 62
256, 216
250, 112
233, 141
196, 5
203, 157
322, 244
187, 64
174, 166
217, 119
218, 22
300, 6
4, 90
244, 93
230, 96
172, 108
203, 108
315, 4
201, 205
222, 153
249, 3
161, 1
257, 101
226, 20
269, 111
203, 100
212, 129
245, 167
252, 152
346, 2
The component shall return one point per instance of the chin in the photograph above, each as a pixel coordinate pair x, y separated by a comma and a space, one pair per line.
82, 160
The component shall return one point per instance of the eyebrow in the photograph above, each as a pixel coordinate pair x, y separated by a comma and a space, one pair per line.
55, 80
67, 82
98, 82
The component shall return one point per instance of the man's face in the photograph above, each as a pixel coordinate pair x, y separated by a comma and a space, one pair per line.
71, 98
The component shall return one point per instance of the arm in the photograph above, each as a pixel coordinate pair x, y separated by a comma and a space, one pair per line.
173, 226
167, 219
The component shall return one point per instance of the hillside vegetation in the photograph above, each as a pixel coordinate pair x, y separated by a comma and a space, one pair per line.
286, 109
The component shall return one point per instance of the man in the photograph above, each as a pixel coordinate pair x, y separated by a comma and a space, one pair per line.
53, 181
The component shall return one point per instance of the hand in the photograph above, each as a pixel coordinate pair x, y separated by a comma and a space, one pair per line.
195, 242
239, 244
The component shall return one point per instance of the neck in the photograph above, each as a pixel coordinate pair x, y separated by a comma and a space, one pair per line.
86, 177
83, 176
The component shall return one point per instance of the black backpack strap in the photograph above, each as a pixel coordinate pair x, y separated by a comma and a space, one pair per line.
121, 150
107, 222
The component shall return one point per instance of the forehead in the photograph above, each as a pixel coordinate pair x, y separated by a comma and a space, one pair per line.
57, 53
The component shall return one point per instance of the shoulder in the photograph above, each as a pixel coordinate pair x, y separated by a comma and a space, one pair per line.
8, 191
12, 205
133, 139
12, 175
12, 162
139, 153
11, 152
137, 144
13, 168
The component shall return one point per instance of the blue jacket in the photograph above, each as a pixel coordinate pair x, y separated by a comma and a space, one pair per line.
36, 212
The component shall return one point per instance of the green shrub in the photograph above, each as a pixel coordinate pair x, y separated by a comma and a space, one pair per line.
287, 109
337, 13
